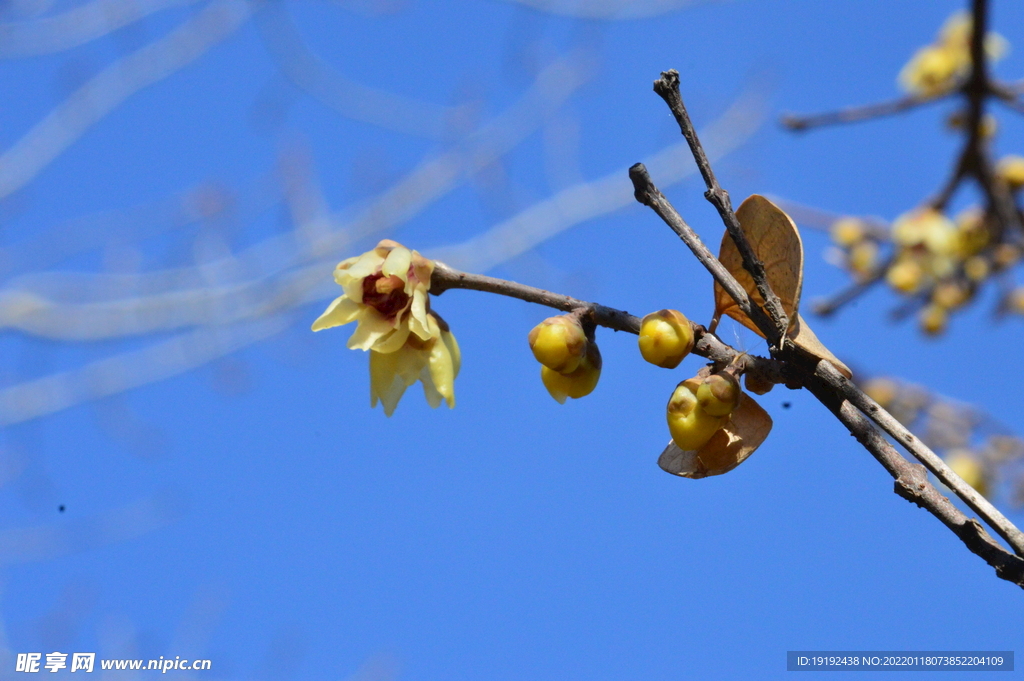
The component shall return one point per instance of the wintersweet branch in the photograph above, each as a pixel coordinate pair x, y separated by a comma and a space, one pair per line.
912, 484
649, 195
706, 344
843, 398
854, 114
979, 504
667, 88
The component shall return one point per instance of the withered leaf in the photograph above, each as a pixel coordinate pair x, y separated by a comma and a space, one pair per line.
746, 429
776, 242
804, 338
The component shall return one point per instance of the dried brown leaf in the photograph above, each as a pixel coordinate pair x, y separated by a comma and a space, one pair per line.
776, 242
804, 338
729, 447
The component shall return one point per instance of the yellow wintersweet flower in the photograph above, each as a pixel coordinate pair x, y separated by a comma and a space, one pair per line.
386, 293
938, 68
435, 362
926, 228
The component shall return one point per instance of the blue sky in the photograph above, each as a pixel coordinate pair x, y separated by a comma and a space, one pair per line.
235, 498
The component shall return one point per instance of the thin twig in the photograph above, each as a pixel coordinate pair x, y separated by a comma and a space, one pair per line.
979, 504
912, 484
833, 303
1007, 97
854, 114
706, 344
649, 195
667, 88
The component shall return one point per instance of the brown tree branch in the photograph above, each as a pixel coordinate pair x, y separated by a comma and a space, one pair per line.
845, 388
820, 378
667, 88
854, 114
706, 344
912, 484
649, 195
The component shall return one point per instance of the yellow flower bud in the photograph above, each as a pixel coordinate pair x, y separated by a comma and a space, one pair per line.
1015, 301
559, 343
951, 295
976, 268
1010, 170
905, 275
666, 337
847, 231
719, 394
934, 319
972, 232
691, 427
863, 258
932, 70
1005, 255
925, 227
578, 383
963, 463
881, 390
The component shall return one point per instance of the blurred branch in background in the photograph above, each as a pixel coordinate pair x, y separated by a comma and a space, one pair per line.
226, 299
353, 100
48, 138
76, 26
606, 9
936, 263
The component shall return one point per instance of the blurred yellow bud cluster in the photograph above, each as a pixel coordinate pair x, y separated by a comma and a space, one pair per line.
937, 261
972, 444
570, 361
942, 66
385, 292
859, 245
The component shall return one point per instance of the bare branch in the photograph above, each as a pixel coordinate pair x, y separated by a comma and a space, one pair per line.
855, 114
649, 195
912, 484
667, 88
706, 344
848, 390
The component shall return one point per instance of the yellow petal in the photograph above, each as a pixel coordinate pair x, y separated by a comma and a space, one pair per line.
352, 279
340, 311
397, 263
442, 372
341, 270
419, 320
453, 349
372, 327
385, 383
422, 269
393, 342
392, 373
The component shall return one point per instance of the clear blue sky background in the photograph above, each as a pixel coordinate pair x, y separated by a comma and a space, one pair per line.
258, 513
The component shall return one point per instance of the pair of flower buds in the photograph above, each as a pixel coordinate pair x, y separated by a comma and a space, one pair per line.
571, 367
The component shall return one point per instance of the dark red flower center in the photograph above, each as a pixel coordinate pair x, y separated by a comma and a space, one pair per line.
385, 294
